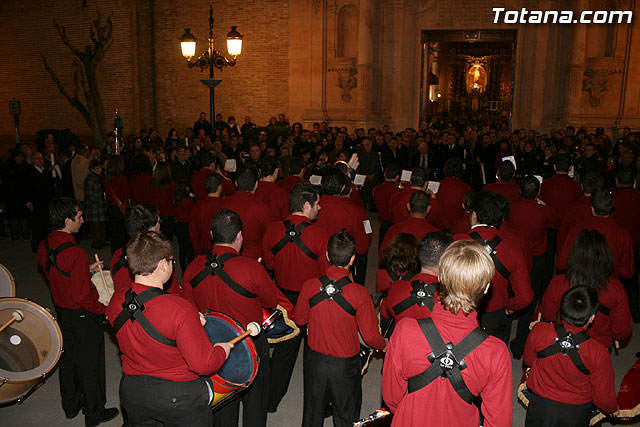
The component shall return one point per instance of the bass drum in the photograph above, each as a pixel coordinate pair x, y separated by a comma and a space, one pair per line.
29, 348
7, 284
241, 367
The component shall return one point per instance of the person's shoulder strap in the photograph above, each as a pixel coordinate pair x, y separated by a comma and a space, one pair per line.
52, 256
491, 247
332, 290
567, 344
122, 261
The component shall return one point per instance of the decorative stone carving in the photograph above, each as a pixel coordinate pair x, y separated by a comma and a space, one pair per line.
315, 4
347, 80
596, 87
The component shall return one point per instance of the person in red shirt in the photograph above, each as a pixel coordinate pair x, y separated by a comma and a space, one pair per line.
256, 215
419, 208
591, 264
140, 181
139, 217
505, 184
398, 203
294, 259
239, 286
162, 195
198, 179
118, 195
532, 218
447, 205
511, 289
560, 190
461, 225
203, 213
382, 195
404, 298
79, 314
162, 376
626, 213
296, 174
269, 192
414, 362
563, 389
579, 210
335, 310
618, 238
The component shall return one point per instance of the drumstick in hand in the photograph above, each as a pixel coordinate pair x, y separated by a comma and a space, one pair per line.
16, 315
104, 282
253, 329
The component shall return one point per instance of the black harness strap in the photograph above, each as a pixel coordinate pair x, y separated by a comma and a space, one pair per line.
422, 294
52, 255
132, 309
332, 290
214, 266
292, 234
604, 309
567, 344
123, 261
446, 360
490, 246
394, 278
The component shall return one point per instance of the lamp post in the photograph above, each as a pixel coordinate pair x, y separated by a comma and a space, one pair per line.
211, 58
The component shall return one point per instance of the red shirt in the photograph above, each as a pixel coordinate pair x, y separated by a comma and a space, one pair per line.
559, 191
292, 267
449, 200
401, 290
531, 220
626, 212
76, 291
185, 209
175, 319
507, 231
123, 279
557, 378
288, 183
120, 186
605, 328
508, 189
197, 183
398, 204
255, 215
419, 227
275, 197
332, 331
162, 198
339, 213
575, 213
228, 187
382, 195
212, 293
383, 283
488, 374
200, 224
140, 186
512, 258
461, 225
618, 238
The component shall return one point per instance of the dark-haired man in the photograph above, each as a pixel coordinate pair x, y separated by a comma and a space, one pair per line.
37, 193
203, 213
198, 179
202, 123
560, 190
79, 314
505, 184
382, 195
579, 210
162, 365
138, 218
447, 203
398, 203
335, 310
239, 286
296, 175
255, 214
295, 250
269, 192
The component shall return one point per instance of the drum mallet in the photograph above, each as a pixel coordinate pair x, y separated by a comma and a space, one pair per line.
16, 315
253, 329
104, 282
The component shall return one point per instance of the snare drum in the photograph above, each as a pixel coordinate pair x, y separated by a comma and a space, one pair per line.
29, 348
241, 368
7, 284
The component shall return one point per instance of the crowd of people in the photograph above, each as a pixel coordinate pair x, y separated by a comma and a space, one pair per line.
479, 226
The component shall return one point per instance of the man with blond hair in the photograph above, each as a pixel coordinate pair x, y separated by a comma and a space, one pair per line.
438, 366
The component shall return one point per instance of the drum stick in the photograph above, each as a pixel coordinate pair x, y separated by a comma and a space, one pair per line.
253, 329
16, 315
104, 282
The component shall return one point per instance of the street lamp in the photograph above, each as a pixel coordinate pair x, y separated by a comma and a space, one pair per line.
211, 58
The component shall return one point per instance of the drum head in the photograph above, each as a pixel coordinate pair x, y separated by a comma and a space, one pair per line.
7, 285
31, 347
241, 366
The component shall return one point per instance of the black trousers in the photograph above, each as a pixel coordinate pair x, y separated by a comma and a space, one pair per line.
631, 286
538, 285
331, 380
385, 225
39, 222
116, 230
543, 412
360, 268
254, 400
283, 360
184, 245
81, 369
495, 324
151, 401
168, 226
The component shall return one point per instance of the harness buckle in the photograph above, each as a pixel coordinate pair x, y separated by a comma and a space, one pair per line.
292, 233
447, 360
487, 247
331, 290
566, 343
51, 257
132, 306
421, 293
215, 264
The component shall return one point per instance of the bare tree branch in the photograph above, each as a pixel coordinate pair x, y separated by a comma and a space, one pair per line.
74, 101
101, 37
62, 31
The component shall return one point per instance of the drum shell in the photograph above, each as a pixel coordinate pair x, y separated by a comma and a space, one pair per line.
40, 341
7, 283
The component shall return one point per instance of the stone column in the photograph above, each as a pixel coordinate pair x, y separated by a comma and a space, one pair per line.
577, 56
365, 54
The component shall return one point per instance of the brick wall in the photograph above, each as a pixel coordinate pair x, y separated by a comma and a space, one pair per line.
144, 59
